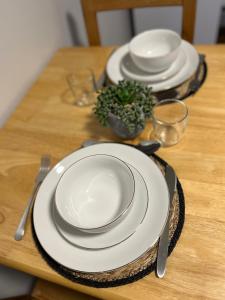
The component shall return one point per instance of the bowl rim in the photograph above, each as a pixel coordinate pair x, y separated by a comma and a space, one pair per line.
140, 35
124, 211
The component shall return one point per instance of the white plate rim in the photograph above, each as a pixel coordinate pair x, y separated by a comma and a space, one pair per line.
109, 258
62, 231
190, 66
151, 78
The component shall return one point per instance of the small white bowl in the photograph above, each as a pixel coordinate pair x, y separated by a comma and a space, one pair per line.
155, 50
95, 193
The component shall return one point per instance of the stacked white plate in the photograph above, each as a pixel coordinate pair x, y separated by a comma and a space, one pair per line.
122, 244
120, 66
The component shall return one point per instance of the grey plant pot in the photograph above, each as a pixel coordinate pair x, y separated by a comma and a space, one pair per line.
120, 129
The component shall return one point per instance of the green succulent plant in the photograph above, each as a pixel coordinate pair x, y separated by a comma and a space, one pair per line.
130, 101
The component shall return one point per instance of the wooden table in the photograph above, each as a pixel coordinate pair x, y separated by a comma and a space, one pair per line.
44, 123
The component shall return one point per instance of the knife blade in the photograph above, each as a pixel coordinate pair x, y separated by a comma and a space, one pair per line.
162, 254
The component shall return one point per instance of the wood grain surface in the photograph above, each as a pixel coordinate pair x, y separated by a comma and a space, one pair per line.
45, 123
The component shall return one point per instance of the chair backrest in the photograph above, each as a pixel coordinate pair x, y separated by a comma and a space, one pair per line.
91, 7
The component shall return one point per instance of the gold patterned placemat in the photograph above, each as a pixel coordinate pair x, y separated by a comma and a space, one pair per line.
136, 269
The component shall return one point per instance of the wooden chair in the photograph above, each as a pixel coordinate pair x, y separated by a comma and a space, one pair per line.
91, 7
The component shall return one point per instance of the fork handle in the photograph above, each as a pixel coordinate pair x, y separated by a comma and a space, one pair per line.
21, 227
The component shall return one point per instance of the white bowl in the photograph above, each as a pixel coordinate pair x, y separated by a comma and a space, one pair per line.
95, 193
155, 50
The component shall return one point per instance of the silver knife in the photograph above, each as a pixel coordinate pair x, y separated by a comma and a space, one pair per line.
162, 254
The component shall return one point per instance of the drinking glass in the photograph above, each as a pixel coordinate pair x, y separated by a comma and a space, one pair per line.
81, 90
169, 120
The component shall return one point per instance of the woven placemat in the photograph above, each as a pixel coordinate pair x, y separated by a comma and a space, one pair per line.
135, 270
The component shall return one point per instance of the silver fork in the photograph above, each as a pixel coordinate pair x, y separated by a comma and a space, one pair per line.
43, 171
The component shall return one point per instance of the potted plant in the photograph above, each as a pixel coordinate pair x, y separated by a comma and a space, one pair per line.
124, 107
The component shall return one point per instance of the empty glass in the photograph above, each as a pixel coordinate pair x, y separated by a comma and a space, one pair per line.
169, 120
81, 90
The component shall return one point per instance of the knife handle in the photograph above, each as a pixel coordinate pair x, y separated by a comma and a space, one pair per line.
148, 149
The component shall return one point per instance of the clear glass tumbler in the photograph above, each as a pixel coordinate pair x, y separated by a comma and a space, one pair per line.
81, 90
169, 120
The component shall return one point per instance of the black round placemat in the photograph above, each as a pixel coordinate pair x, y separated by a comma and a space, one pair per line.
69, 273
190, 86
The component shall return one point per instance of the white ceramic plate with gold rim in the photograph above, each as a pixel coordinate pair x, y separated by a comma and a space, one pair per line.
89, 260
119, 233
115, 74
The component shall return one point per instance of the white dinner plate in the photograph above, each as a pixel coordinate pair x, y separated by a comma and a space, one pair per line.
89, 260
187, 70
116, 235
131, 71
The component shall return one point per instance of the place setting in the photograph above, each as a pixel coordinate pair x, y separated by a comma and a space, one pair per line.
160, 59
103, 209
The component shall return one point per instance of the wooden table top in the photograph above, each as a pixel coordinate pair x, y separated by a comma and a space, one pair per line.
44, 123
